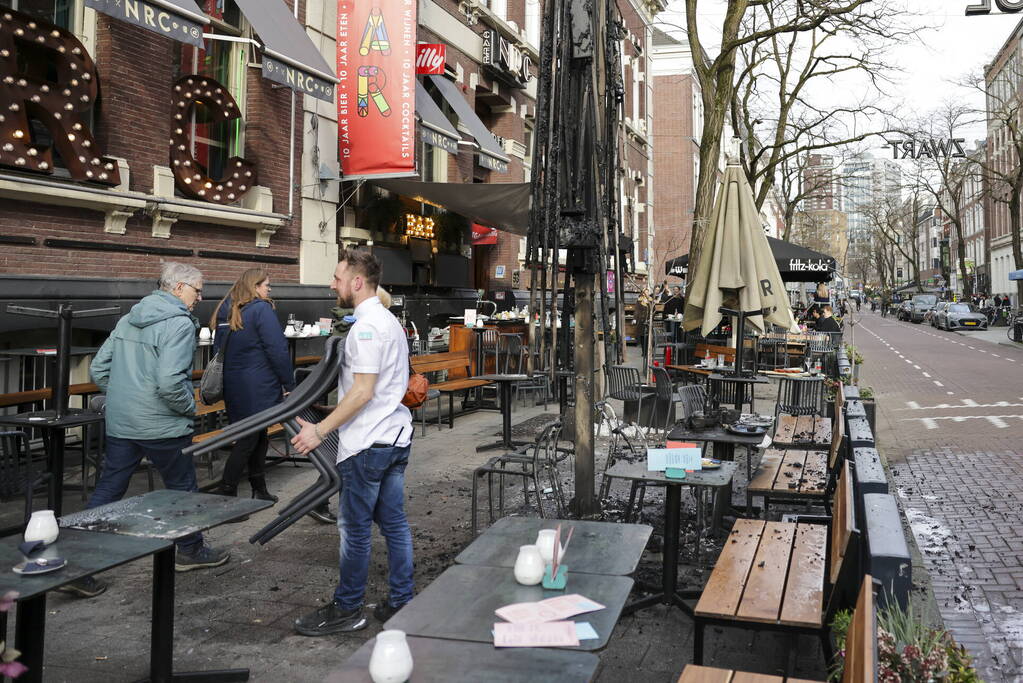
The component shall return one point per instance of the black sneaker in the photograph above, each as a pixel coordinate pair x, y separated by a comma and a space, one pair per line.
385, 610
331, 619
204, 557
85, 587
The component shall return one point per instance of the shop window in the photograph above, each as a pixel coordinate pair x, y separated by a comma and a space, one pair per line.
433, 164
223, 58
59, 12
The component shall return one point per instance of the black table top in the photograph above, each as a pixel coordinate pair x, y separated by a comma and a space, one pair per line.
504, 378
86, 552
73, 417
716, 434
454, 661
36, 351
460, 603
743, 380
595, 548
637, 471
164, 514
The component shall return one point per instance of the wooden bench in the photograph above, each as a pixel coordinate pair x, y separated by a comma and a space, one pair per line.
451, 360
803, 431
860, 651
799, 475
781, 576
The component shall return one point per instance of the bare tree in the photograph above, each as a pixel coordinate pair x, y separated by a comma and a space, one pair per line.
717, 76
895, 229
944, 175
784, 103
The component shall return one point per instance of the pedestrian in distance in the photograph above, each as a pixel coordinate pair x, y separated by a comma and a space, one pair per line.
374, 441
257, 373
144, 369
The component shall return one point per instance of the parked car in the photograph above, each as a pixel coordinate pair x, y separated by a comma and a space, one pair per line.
932, 315
958, 316
920, 305
902, 313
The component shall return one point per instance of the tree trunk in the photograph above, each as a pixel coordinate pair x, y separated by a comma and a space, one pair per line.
961, 255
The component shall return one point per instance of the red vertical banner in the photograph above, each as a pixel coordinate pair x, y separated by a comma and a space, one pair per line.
376, 104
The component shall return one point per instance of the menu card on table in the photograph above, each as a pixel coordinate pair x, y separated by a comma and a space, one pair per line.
551, 609
547, 634
687, 457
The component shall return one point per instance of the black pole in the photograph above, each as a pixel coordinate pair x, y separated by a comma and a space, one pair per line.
63, 377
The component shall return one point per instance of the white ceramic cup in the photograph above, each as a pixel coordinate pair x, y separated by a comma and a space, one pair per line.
391, 661
529, 566
289, 331
205, 334
42, 526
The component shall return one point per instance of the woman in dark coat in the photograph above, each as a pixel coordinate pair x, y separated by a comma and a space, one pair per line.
257, 372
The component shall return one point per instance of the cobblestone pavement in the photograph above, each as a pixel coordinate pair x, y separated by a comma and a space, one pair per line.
950, 422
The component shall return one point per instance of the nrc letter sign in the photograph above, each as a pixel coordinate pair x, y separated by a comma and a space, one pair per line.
155, 19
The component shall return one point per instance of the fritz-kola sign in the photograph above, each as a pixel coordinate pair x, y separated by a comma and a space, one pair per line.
797, 265
935, 149
984, 7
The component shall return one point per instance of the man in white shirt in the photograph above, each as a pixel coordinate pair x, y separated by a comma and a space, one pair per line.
374, 437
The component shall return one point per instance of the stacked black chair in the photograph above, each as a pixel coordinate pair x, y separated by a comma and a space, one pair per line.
17, 475
299, 403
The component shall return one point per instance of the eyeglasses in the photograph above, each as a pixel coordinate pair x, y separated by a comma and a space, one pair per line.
198, 290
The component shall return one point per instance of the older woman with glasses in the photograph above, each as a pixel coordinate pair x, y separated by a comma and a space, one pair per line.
257, 372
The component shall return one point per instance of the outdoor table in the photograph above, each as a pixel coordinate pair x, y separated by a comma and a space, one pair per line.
53, 429
460, 603
596, 547
87, 553
454, 661
720, 478
168, 515
504, 383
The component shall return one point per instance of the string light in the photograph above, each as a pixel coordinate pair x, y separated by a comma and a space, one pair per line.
418, 226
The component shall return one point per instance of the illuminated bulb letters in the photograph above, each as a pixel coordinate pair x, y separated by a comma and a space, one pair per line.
45, 48
187, 92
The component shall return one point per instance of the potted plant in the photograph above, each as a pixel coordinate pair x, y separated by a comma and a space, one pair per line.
908, 649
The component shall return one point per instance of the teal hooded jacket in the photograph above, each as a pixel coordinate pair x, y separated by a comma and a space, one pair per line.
145, 369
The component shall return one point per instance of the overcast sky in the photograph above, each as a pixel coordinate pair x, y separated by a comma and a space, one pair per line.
952, 46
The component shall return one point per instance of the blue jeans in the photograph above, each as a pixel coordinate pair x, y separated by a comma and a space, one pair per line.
122, 459
373, 490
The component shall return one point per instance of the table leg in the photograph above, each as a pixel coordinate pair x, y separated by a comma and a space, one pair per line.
506, 399
723, 494
30, 635
669, 595
161, 648
55, 491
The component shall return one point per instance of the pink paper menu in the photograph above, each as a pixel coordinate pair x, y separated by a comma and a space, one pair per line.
551, 609
547, 634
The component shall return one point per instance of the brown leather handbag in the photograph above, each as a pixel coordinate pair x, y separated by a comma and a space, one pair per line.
418, 386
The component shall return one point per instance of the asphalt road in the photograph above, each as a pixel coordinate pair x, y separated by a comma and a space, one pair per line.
950, 423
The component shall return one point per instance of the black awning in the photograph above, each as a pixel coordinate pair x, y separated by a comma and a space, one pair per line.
504, 206
799, 264
180, 20
437, 130
677, 266
289, 55
490, 153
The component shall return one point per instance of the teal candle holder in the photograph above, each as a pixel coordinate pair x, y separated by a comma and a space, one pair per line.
555, 583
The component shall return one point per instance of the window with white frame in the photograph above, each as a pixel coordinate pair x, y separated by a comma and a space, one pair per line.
499, 7
533, 22
224, 60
